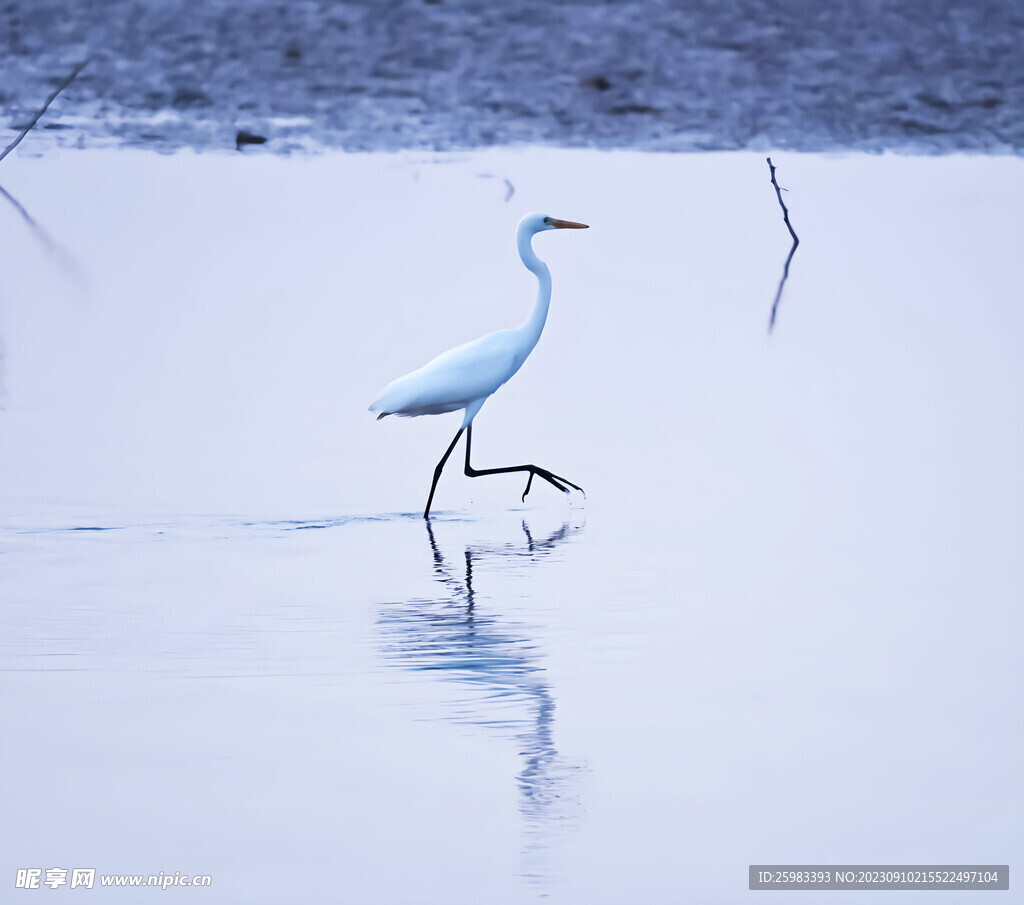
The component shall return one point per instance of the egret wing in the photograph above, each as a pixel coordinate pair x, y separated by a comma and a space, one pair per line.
453, 379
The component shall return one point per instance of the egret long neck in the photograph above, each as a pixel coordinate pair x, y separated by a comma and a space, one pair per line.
534, 324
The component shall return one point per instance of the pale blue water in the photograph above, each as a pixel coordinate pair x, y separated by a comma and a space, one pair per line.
784, 625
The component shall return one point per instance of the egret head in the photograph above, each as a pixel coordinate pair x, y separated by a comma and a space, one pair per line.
535, 223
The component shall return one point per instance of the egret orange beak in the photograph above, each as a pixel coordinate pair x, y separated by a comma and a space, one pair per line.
568, 224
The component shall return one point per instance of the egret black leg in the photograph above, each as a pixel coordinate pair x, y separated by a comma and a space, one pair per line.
437, 474
553, 479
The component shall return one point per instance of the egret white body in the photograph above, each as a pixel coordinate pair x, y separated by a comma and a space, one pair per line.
464, 377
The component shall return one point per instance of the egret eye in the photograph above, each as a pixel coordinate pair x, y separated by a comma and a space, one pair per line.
547, 219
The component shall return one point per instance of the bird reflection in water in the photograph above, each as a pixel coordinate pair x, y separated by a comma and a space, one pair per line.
464, 641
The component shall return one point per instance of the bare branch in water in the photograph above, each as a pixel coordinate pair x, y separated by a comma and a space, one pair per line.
42, 110
796, 242
44, 237
41, 234
58, 253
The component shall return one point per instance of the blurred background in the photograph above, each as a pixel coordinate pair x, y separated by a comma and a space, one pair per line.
456, 74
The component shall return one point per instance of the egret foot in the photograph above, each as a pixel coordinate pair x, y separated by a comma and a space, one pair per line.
556, 481
553, 479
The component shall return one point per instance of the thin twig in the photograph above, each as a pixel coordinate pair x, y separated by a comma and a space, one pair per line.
796, 242
57, 252
44, 237
49, 100
41, 233
47, 241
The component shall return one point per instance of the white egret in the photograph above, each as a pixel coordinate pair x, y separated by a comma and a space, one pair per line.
464, 377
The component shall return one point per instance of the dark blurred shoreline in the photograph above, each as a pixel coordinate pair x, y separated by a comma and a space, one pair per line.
461, 74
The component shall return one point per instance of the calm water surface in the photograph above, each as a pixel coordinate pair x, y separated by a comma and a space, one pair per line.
783, 626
